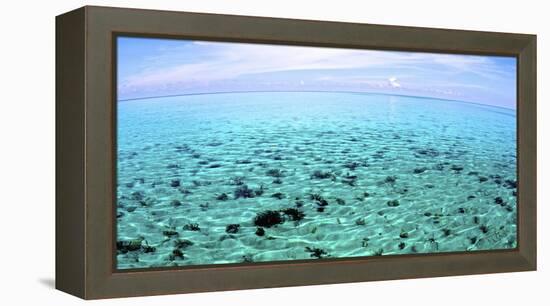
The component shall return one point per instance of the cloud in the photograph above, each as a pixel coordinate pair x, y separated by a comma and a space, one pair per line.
217, 66
221, 61
393, 82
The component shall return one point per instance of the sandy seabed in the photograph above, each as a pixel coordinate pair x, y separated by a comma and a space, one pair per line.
253, 177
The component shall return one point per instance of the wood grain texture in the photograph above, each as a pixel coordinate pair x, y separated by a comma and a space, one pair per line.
70, 168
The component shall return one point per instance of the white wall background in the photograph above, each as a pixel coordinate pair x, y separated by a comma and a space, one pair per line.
27, 152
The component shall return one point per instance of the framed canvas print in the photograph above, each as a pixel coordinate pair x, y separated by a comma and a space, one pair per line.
200, 152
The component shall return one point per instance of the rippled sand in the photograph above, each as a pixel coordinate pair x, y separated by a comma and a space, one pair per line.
341, 174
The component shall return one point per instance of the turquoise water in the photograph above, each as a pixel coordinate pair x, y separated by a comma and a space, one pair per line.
252, 177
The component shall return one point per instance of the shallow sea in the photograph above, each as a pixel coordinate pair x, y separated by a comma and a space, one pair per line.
252, 177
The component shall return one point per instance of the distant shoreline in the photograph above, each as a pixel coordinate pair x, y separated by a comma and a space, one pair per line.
312, 91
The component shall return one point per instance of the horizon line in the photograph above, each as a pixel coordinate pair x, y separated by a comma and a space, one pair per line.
312, 91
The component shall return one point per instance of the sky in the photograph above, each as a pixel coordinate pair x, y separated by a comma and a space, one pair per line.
150, 67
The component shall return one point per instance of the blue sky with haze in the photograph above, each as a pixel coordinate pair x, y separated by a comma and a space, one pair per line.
155, 67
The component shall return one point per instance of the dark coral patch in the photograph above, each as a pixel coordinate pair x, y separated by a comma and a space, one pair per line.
393, 203
244, 192
176, 253
236, 180
125, 246
484, 229
258, 192
352, 165
319, 200
183, 243
428, 152
510, 184
420, 170
319, 174
456, 168
192, 227
316, 252
275, 173
148, 249
170, 233
260, 232
222, 197
137, 195
293, 214
390, 179
278, 195
232, 228
243, 162
268, 218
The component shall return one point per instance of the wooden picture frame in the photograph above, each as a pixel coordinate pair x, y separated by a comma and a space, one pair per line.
85, 152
